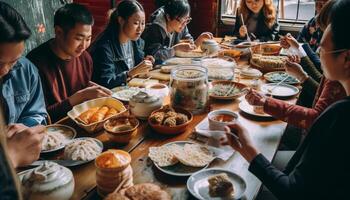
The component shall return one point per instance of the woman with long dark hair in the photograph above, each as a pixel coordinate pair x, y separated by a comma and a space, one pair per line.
118, 51
259, 20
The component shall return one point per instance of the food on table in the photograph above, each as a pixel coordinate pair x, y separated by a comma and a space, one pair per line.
194, 155
179, 61
269, 61
141, 82
168, 117
85, 116
219, 69
267, 49
224, 118
231, 53
197, 53
96, 114
166, 69
54, 139
220, 185
279, 76
143, 191
170, 121
82, 149
126, 93
189, 88
258, 109
99, 115
164, 155
224, 90
123, 124
113, 159
251, 73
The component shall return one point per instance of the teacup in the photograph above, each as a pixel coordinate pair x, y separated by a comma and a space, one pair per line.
218, 119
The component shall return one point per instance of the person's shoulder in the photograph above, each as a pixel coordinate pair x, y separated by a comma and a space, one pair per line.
39, 51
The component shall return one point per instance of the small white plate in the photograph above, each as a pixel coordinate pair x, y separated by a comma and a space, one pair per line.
125, 93
68, 132
281, 91
198, 184
247, 108
180, 169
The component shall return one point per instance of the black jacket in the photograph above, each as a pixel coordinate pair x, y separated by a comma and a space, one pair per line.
263, 32
109, 65
320, 168
157, 41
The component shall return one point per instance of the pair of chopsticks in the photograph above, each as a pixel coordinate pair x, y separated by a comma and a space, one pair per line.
279, 83
252, 34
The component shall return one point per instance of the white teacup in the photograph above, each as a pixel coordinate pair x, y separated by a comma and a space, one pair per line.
218, 119
158, 89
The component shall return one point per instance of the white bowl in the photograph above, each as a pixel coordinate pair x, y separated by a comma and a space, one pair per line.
220, 125
158, 89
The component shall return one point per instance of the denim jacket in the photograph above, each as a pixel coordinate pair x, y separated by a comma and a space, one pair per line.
22, 95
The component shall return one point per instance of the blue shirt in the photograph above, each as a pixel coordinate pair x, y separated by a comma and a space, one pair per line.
22, 95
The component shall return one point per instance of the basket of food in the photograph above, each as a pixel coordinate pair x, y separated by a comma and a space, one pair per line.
90, 115
268, 63
170, 121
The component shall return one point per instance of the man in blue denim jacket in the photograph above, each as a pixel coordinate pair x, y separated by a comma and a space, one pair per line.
22, 94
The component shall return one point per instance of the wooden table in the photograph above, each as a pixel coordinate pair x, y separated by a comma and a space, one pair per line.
265, 134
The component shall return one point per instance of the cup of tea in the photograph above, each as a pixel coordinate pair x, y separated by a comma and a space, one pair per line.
218, 119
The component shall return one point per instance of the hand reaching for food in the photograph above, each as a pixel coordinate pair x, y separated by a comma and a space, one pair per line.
92, 92
288, 41
296, 70
254, 98
144, 67
150, 58
202, 37
243, 31
184, 47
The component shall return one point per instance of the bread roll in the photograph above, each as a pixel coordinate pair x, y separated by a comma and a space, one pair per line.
85, 116
99, 115
111, 112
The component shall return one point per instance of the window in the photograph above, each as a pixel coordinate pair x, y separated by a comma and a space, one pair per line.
288, 10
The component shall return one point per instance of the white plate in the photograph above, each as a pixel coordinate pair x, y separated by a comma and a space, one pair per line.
281, 91
247, 108
279, 76
125, 93
68, 132
198, 184
180, 169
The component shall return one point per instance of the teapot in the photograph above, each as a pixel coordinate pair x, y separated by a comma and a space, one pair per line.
47, 181
210, 46
143, 104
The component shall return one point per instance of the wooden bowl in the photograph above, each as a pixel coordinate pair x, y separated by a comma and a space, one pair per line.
121, 136
233, 53
166, 130
240, 86
267, 49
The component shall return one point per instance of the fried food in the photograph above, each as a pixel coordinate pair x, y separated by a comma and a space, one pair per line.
220, 185
85, 116
181, 118
96, 114
170, 121
157, 118
99, 115
111, 112
170, 114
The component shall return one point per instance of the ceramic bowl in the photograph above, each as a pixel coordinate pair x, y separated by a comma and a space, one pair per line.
118, 131
215, 124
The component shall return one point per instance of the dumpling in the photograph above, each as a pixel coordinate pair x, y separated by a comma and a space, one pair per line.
84, 149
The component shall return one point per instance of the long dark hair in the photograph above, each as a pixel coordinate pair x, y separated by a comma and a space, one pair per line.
341, 32
176, 8
125, 9
13, 27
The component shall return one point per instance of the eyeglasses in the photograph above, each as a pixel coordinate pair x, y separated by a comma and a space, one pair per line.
186, 20
332, 51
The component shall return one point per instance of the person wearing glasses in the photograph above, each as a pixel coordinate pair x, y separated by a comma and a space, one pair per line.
320, 167
256, 19
326, 91
118, 51
168, 27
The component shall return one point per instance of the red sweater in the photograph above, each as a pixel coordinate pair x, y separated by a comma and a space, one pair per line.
60, 78
327, 93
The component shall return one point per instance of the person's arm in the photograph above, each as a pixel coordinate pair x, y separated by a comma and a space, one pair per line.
311, 69
154, 45
314, 57
237, 26
34, 112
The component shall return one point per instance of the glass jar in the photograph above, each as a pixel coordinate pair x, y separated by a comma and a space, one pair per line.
189, 88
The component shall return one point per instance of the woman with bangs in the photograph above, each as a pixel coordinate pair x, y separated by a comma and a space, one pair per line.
259, 20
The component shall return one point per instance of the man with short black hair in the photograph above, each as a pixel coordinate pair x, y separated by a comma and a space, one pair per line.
64, 65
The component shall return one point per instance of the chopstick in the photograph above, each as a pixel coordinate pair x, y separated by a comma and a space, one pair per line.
279, 83
248, 38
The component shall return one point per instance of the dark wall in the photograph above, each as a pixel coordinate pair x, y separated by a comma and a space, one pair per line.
38, 15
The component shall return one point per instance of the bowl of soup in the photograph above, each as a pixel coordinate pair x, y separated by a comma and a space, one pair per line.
218, 119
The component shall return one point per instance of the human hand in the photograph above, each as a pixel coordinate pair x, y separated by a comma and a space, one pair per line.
150, 58
184, 47
241, 142
254, 98
288, 41
243, 31
24, 144
296, 70
202, 37
294, 58
93, 91
144, 67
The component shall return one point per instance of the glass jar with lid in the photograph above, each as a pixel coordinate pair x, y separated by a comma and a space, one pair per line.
189, 88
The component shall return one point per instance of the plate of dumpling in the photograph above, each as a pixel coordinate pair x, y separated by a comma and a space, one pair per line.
83, 149
91, 115
56, 137
181, 158
170, 121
